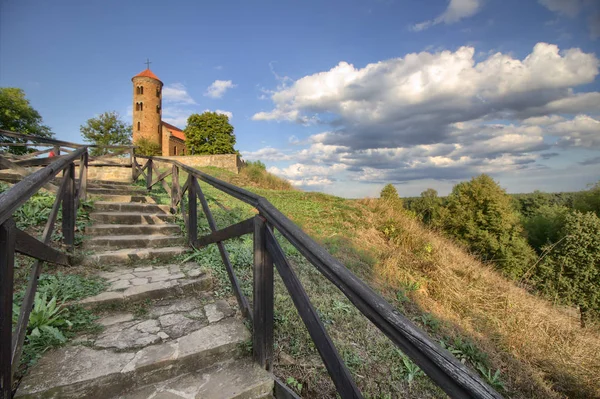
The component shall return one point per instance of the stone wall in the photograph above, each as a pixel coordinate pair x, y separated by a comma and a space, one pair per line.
230, 162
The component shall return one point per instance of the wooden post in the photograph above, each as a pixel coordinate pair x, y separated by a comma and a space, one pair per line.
83, 176
149, 175
133, 165
7, 262
174, 188
263, 297
192, 211
68, 207
56, 150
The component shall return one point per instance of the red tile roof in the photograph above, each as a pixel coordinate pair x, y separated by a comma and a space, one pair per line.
175, 131
148, 74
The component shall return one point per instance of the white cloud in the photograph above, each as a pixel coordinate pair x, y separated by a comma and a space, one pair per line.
569, 8
176, 93
268, 154
218, 88
581, 131
308, 175
413, 100
457, 10
293, 140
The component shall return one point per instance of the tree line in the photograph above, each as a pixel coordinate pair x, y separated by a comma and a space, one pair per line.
206, 133
550, 242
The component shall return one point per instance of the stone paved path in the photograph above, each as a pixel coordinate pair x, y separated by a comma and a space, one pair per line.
164, 333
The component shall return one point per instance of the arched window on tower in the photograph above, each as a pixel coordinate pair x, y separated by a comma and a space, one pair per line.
137, 106
141, 89
141, 106
157, 92
158, 109
137, 89
174, 150
139, 124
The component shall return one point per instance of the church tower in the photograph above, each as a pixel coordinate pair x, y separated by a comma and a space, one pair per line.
147, 107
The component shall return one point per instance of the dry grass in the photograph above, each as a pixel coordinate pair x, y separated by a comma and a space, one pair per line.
541, 348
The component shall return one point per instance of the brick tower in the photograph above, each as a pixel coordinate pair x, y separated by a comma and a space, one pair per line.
147, 107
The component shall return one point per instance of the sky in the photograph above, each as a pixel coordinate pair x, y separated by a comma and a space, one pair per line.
340, 97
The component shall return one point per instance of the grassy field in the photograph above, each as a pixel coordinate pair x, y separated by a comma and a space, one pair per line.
520, 344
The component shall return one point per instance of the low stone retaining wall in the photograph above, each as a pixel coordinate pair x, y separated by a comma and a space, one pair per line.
230, 162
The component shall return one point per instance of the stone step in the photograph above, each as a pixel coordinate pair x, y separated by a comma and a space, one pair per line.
133, 255
131, 217
116, 191
86, 372
124, 198
110, 182
111, 206
241, 379
128, 284
133, 241
132, 229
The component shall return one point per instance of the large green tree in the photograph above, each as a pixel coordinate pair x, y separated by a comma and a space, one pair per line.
428, 206
17, 115
479, 213
571, 270
209, 133
106, 129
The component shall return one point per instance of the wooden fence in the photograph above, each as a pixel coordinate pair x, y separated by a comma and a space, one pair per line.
440, 365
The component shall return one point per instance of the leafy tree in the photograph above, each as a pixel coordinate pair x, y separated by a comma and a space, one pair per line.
588, 200
17, 115
106, 129
479, 213
389, 193
143, 146
209, 133
545, 225
427, 206
571, 271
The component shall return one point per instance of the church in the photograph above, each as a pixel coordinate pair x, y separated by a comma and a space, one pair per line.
147, 115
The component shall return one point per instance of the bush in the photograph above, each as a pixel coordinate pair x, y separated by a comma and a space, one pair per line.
571, 270
544, 226
257, 173
428, 206
143, 146
389, 193
479, 214
589, 200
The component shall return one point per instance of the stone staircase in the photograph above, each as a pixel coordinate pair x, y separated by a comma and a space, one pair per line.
165, 335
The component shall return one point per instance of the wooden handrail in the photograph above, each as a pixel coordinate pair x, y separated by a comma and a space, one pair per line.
441, 366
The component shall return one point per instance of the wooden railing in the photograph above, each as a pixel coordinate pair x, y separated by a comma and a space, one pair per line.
69, 192
440, 365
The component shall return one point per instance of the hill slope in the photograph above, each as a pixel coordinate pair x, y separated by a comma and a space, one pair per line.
486, 320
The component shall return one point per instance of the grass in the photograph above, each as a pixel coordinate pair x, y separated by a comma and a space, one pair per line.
522, 345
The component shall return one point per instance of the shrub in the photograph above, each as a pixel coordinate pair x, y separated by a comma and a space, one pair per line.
257, 173
589, 200
571, 270
481, 216
389, 193
427, 206
143, 146
544, 226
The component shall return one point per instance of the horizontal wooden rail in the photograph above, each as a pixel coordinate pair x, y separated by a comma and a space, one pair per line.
31, 246
45, 140
19, 194
233, 231
441, 366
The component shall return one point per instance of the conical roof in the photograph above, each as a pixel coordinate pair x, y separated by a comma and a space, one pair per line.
147, 73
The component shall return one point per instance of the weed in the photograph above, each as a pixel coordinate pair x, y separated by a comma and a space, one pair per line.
294, 384
412, 370
492, 379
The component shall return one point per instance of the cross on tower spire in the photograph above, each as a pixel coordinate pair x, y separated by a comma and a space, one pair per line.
147, 63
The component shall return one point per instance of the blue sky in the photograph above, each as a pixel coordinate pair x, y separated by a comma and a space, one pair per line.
337, 96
